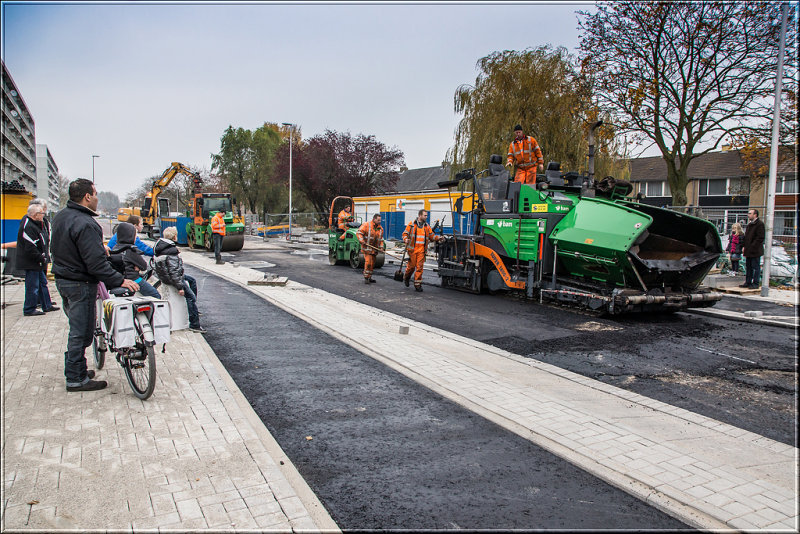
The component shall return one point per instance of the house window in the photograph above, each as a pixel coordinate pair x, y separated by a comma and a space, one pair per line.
657, 189
739, 186
785, 224
716, 187
786, 185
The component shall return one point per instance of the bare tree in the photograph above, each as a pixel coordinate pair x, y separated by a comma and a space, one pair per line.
677, 74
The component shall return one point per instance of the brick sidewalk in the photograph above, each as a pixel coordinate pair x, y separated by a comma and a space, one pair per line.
193, 456
707, 473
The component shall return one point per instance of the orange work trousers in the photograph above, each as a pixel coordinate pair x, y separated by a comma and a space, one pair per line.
369, 264
416, 261
526, 176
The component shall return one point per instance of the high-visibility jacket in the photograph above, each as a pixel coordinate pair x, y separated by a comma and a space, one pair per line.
418, 236
370, 234
344, 218
525, 153
218, 224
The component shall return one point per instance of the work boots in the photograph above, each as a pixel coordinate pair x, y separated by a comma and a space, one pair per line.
406, 280
366, 280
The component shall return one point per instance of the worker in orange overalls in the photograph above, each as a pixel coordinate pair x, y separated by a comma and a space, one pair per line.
370, 235
525, 153
344, 217
218, 234
416, 237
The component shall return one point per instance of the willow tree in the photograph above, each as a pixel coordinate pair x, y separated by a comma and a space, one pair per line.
679, 75
541, 89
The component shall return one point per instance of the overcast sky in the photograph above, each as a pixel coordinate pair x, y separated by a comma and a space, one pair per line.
144, 85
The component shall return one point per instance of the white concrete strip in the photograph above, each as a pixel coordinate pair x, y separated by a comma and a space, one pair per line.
192, 457
770, 320
705, 472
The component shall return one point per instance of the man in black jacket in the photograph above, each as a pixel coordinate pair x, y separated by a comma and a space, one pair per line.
32, 257
79, 262
44, 292
753, 249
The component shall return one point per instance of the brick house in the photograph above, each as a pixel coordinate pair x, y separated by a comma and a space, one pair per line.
720, 189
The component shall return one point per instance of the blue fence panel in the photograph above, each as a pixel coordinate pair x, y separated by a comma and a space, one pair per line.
10, 229
393, 223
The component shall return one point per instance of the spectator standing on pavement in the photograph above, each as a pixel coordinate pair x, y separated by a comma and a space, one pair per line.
33, 257
136, 221
44, 292
169, 269
734, 248
217, 234
79, 262
133, 258
753, 249
525, 154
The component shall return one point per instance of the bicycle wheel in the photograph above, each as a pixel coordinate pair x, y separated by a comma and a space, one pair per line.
99, 354
141, 373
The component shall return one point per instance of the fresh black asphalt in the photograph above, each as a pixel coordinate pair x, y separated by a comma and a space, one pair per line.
383, 452
743, 374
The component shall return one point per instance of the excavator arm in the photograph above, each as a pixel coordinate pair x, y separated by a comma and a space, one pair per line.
163, 181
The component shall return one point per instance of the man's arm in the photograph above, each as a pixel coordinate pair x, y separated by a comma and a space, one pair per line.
89, 243
144, 247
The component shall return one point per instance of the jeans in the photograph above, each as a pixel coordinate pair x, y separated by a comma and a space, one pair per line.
191, 303
79, 306
217, 245
192, 283
33, 292
147, 289
44, 293
752, 270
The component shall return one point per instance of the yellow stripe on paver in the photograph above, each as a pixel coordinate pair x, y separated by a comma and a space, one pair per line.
702, 471
192, 457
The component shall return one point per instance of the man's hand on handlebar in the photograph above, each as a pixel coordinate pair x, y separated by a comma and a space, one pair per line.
130, 284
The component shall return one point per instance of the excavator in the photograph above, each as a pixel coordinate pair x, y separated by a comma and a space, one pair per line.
154, 208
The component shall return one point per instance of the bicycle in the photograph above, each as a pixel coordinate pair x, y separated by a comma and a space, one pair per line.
135, 354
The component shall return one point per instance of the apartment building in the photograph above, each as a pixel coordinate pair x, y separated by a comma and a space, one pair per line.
46, 176
19, 142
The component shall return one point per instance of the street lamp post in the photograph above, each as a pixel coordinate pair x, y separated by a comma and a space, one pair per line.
291, 137
93, 156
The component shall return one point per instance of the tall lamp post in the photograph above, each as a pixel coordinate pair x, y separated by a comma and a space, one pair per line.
93, 156
291, 138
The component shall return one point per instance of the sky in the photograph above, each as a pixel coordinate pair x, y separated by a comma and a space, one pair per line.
143, 85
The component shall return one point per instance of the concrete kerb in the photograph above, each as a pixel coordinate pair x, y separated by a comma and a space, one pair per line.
309, 499
736, 316
627, 482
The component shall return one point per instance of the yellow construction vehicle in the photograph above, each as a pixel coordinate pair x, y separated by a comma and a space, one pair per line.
154, 208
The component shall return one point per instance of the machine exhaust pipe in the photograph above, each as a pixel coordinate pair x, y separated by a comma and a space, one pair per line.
587, 188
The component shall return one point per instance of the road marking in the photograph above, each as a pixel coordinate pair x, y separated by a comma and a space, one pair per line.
726, 355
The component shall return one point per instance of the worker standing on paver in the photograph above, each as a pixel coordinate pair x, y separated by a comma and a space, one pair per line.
416, 237
217, 235
370, 235
345, 216
525, 154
